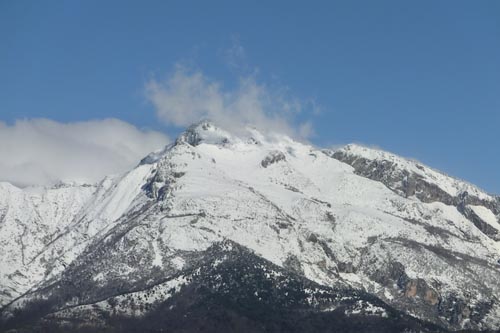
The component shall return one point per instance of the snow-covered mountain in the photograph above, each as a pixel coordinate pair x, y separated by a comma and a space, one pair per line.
225, 229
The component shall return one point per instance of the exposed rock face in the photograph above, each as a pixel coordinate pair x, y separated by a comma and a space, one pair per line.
273, 157
365, 241
464, 208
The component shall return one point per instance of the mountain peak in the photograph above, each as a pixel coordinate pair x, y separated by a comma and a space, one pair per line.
209, 132
204, 131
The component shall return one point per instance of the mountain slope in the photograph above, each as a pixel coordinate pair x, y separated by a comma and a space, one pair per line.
231, 289
355, 219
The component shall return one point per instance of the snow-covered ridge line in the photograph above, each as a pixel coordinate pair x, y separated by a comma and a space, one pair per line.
451, 184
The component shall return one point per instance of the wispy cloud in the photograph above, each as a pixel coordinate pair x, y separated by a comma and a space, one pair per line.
187, 96
235, 57
41, 151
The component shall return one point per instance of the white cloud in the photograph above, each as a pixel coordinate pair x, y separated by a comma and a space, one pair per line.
41, 151
189, 96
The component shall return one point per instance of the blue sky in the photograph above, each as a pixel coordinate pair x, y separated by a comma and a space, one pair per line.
421, 78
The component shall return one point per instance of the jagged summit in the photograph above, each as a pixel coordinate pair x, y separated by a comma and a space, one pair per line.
205, 131
209, 132
364, 226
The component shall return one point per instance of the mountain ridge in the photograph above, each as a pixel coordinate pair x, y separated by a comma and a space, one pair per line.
419, 164
331, 217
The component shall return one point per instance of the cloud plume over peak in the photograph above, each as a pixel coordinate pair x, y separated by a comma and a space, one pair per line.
189, 96
42, 151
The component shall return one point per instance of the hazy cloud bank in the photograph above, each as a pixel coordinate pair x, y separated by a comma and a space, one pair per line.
41, 151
